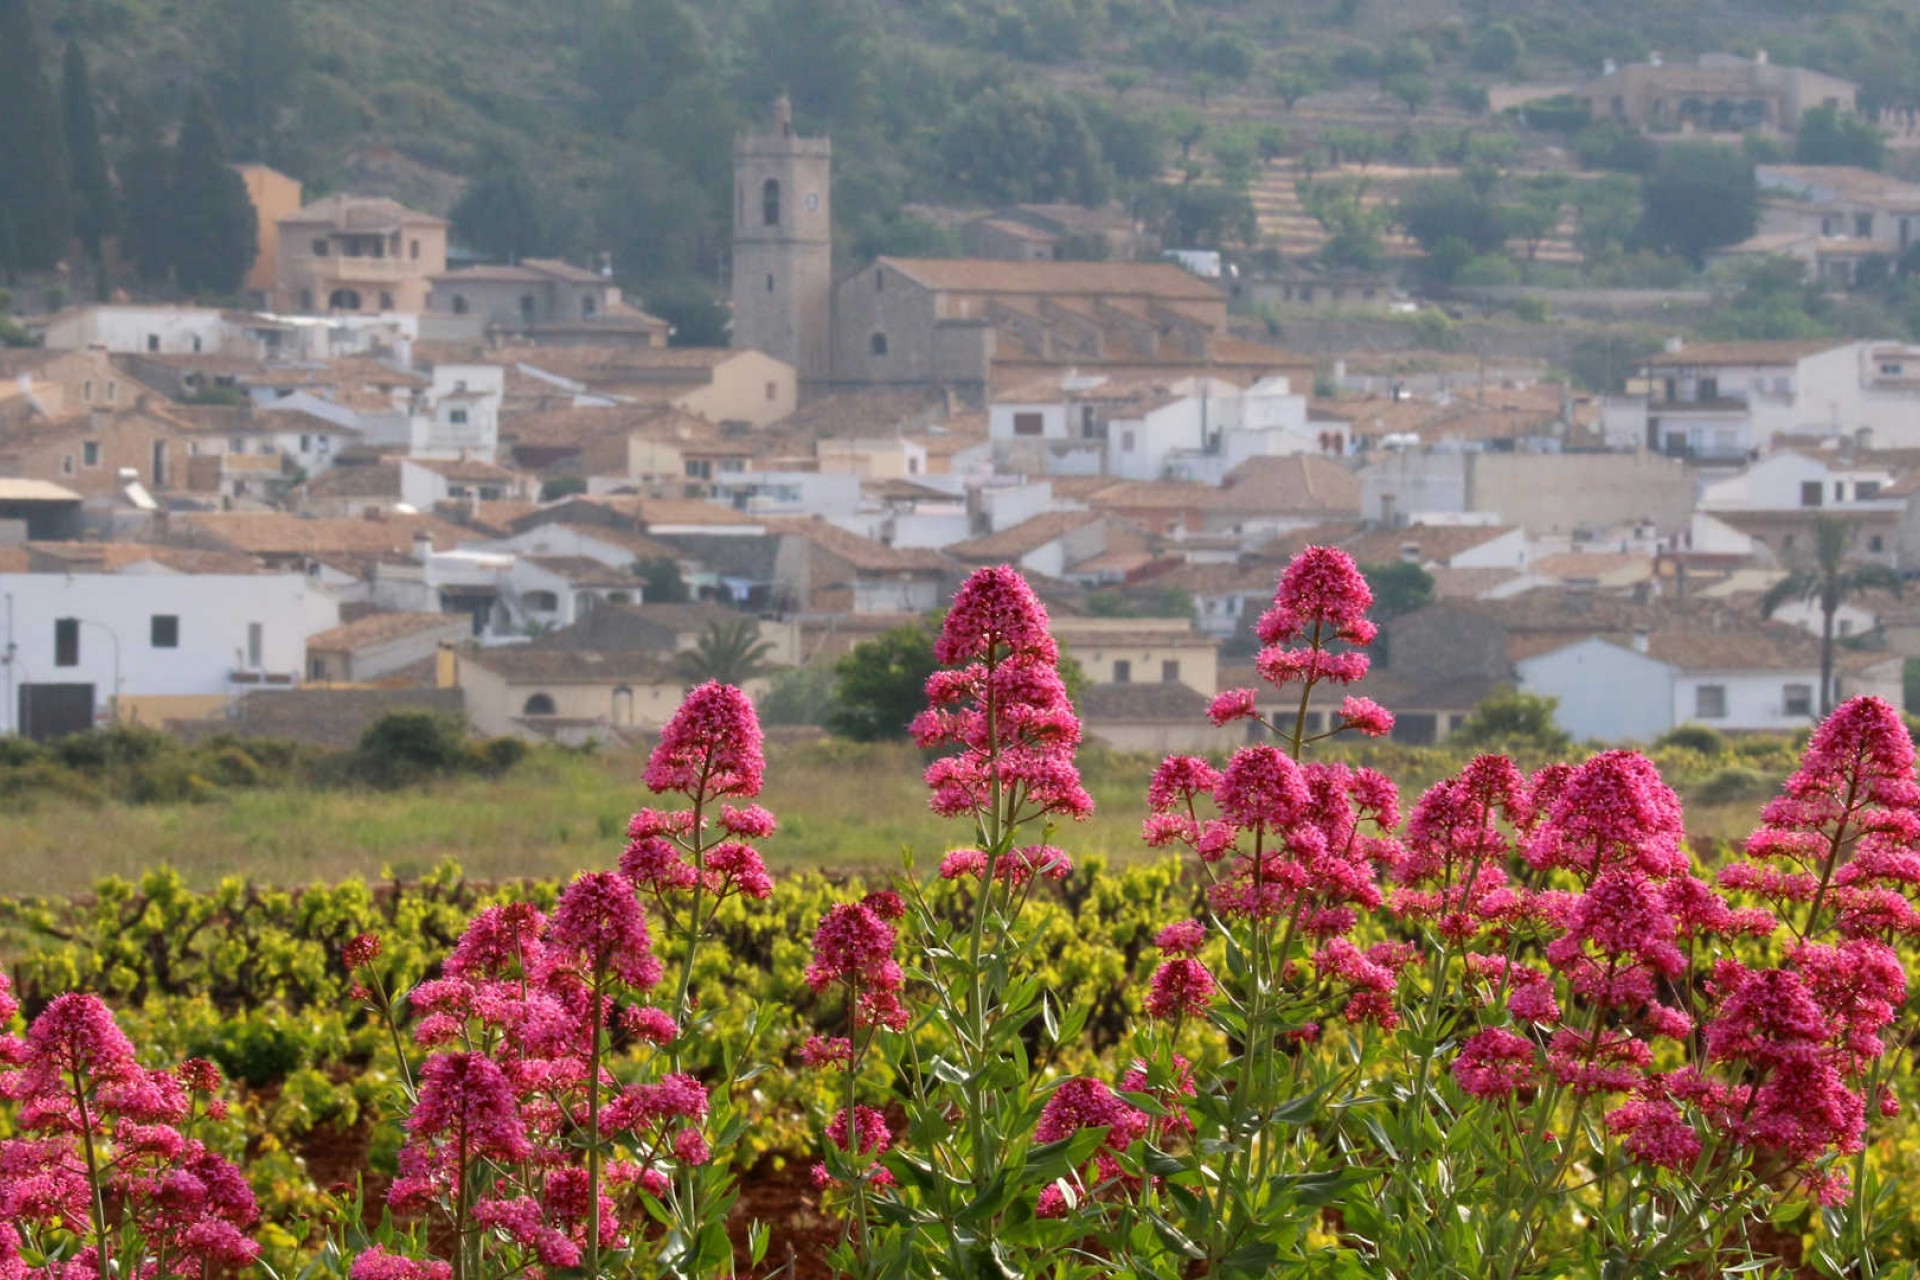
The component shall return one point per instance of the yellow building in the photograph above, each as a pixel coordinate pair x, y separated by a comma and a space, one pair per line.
358, 255
275, 196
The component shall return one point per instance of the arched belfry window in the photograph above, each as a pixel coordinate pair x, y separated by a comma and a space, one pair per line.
770, 202
878, 344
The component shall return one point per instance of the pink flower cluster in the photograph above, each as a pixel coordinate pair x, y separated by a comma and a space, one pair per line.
1005, 707
1182, 986
1322, 598
97, 1131
710, 751
514, 1018
853, 949
1085, 1103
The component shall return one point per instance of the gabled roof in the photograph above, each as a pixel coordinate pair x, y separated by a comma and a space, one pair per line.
1431, 543
1294, 483
279, 534
361, 213
864, 554
1021, 539
584, 571
1781, 352
380, 628
470, 470
1164, 701
1162, 281
523, 664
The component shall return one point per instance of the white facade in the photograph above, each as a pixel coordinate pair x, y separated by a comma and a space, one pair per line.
789, 493
1780, 700
1606, 693
157, 634
459, 416
1792, 481
156, 330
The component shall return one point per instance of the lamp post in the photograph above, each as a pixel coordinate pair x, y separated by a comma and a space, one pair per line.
115, 637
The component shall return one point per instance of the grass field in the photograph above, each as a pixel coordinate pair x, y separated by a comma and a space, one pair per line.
841, 806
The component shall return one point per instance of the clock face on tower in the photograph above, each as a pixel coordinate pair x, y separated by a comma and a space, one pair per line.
812, 202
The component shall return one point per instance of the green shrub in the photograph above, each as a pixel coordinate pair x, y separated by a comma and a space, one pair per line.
1709, 742
407, 746
1734, 783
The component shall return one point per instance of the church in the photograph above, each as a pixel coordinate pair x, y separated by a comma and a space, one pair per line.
970, 325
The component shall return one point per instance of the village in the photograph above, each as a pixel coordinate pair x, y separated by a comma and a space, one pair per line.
501, 490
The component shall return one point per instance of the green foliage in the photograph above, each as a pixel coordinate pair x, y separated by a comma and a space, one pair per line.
1354, 227
261, 58
1699, 738
730, 652
1828, 137
1609, 144
698, 317
501, 213
146, 183
1511, 720
1203, 215
882, 684
663, 583
1699, 197
95, 212
1150, 602
1020, 143
797, 696
36, 214
406, 748
1497, 48
212, 231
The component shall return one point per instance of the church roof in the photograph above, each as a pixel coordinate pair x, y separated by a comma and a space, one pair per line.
1159, 280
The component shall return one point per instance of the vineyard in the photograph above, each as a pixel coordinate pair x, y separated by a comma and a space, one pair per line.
1514, 1019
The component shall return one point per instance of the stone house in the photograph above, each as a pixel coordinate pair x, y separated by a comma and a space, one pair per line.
545, 301
363, 255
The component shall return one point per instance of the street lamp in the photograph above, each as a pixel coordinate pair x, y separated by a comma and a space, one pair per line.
115, 637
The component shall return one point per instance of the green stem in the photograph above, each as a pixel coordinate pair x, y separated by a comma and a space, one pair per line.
593, 1124
97, 1202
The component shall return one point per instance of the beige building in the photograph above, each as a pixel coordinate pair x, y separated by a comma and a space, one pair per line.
1720, 93
381, 644
720, 384
359, 255
275, 196
567, 696
1141, 651
541, 300
96, 451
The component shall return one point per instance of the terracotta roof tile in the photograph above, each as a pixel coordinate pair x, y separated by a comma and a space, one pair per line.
379, 628
1158, 280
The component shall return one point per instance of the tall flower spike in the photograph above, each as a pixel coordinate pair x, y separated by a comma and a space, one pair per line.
711, 747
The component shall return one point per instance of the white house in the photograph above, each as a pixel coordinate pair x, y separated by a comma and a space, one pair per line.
789, 493
163, 330
425, 482
150, 636
1792, 480
458, 416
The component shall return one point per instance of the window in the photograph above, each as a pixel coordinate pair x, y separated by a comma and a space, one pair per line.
113, 391
543, 602
153, 342
159, 463
1875, 544
66, 642
526, 306
319, 248
1709, 389
413, 250
1710, 701
89, 453
236, 444
1890, 370
306, 299
1810, 491
1839, 491
1122, 671
1028, 424
1865, 489
1797, 699
66, 465
770, 202
878, 343
538, 705
256, 643
1845, 625
458, 417
773, 391
588, 306
318, 669
1830, 224
1316, 721
163, 631
86, 390
1863, 225
386, 300
343, 300
196, 344
306, 444
1126, 442
1170, 671
459, 304
623, 705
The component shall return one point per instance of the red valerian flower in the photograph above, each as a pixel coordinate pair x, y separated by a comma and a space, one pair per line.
711, 747
1494, 1063
599, 918
1234, 704
1085, 1103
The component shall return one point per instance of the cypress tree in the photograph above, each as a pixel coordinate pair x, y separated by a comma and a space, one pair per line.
214, 232
93, 205
35, 218
146, 178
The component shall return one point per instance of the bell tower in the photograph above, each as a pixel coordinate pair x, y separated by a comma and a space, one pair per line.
783, 246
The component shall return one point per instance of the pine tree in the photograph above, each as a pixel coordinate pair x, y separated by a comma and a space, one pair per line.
213, 231
146, 179
35, 217
93, 202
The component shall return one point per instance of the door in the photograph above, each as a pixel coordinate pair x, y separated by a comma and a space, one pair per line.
49, 711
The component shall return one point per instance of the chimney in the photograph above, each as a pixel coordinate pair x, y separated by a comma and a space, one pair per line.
1608, 67
1760, 57
1654, 59
1640, 639
422, 546
446, 667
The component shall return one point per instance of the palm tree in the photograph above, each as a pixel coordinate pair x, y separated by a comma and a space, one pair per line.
1827, 583
730, 652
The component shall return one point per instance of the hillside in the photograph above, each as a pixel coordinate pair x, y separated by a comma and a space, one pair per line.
616, 114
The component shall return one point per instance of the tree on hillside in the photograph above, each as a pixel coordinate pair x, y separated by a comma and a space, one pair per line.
1700, 196
501, 213
1298, 79
1413, 91
730, 652
35, 214
1828, 137
261, 59
1202, 215
1826, 584
1019, 144
1354, 227
650, 76
93, 200
146, 183
882, 684
1497, 48
1452, 222
214, 233
1225, 57
822, 53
